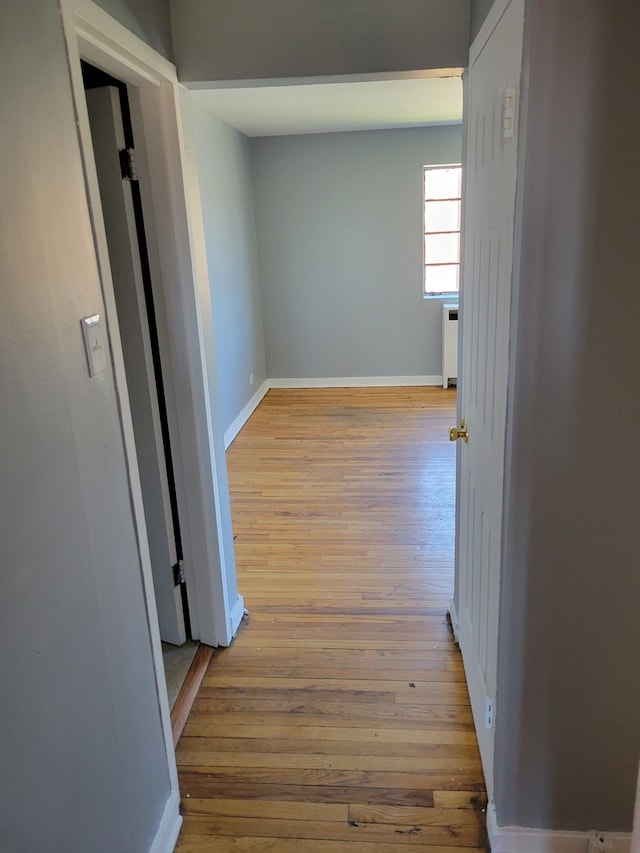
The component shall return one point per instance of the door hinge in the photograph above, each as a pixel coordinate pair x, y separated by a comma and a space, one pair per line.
178, 573
508, 113
489, 713
127, 164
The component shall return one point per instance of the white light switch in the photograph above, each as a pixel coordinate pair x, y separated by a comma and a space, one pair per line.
94, 344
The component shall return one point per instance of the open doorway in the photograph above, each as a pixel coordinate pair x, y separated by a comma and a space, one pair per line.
179, 271
141, 326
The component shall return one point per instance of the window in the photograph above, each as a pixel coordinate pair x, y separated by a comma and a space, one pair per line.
442, 190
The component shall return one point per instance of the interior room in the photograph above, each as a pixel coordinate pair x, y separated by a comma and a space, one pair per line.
314, 238
285, 259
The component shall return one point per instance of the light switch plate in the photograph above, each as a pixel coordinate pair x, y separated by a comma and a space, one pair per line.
94, 344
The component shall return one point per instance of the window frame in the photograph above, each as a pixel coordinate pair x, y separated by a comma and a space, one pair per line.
431, 294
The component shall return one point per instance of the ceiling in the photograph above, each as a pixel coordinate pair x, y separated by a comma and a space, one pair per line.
327, 107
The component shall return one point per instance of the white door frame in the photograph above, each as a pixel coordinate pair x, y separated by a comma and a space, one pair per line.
216, 608
198, 444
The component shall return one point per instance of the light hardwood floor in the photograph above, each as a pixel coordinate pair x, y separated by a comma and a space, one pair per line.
338, 721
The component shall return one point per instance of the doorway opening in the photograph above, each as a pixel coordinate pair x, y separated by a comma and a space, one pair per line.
141, 327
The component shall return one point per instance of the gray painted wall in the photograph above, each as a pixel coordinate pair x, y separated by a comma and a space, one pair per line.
150, 20
339, 221
479, 11
251, 39
226, 190
82, 758
568, 724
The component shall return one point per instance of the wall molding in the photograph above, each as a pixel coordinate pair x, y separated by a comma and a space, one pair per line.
169, 827
245, 414
519, 839
356, 382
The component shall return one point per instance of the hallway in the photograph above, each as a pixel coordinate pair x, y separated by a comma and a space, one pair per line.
339, 719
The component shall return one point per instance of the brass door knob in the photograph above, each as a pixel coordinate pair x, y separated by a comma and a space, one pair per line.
459, 432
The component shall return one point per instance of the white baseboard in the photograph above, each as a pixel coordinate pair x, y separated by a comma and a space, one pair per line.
245, 414
355, 382
169, 829
235, 617
519, 839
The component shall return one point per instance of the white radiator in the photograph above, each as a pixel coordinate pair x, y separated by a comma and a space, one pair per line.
449, 344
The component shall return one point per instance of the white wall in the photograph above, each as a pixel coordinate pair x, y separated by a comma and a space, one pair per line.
249, 39
226, 190
339, 220
82, 758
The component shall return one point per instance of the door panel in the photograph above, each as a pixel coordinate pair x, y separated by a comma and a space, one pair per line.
124, 255
490, 181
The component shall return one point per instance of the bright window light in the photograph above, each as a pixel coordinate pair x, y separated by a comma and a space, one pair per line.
442, 206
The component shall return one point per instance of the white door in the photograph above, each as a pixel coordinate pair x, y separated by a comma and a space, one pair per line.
489, 189
116, 195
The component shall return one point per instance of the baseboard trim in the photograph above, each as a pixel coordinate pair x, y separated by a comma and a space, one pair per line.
169, 828
245, 414
519, 839
356, 382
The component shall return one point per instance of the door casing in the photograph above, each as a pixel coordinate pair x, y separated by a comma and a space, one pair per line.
216, 608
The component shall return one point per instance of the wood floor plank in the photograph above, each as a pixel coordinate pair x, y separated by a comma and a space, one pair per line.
458, 832
301, 810
460, 800
234, 781
217, 787
331, 759
414, 816
328, 657
254, 844
295, 711
202, 732
304, 746
338, 721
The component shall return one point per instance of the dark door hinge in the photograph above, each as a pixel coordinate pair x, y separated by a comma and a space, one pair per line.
127, 164
178, 573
